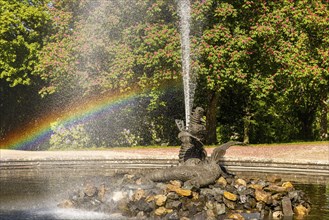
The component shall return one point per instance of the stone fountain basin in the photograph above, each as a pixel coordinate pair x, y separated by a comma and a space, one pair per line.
303, 159
37, 181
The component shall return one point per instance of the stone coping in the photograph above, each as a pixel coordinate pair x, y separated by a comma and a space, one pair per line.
318, 154
309, 159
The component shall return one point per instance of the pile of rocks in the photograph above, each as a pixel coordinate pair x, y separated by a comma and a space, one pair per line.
228, 197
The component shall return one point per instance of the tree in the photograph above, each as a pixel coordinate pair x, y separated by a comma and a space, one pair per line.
273, 52
296, 37
225, 49
91, 53
23, 26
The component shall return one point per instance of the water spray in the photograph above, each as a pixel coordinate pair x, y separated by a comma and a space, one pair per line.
185, 17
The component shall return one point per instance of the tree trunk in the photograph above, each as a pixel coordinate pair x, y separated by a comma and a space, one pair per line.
211, 115
324, 121
246, 128
246, 123
307, 120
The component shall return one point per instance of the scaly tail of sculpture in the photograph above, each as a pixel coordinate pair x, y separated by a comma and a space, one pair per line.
220, 151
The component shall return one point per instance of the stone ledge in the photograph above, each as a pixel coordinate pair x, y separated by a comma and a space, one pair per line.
231, 164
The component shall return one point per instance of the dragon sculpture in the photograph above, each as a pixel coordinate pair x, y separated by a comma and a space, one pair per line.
192, 137
196, 169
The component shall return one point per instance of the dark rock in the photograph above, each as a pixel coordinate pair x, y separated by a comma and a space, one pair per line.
219, 198
161, 186
172, 201
247, 206
229, 204
251, 216
192, 207
277, 208
172, 196
209, 193
294, 195
264, 213
252, 202
200, 216
231, 189
287, 207
262, 183
248, 191
183, 213
229, 180
253, 180
199, 205
218, 191
276, 203
173, 204
172, 216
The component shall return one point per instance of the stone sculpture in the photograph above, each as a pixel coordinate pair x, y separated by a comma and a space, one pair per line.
192, 137
195, 170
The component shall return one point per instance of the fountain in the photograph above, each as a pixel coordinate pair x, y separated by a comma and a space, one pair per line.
188, 80
198, 188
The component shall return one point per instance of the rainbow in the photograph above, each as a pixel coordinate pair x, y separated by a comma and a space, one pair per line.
27, 138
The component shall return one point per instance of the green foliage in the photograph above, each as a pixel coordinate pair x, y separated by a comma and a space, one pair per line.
69, 137
274, 52
267, 60
295, 44
129, 139
23, 26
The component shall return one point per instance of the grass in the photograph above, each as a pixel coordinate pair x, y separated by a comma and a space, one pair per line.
116, 148
207, 146
302, 143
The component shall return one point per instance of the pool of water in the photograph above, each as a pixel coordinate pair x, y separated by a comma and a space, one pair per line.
36, 195
319, 196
